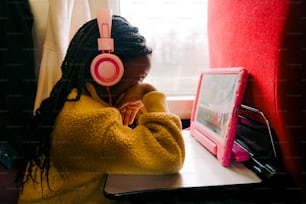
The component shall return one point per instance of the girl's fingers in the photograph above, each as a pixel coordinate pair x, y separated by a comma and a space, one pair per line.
135, 105
131, 104
127, 117
129, 112
123, 106
132, 116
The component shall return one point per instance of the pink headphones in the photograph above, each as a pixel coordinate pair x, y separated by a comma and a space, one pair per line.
106, 68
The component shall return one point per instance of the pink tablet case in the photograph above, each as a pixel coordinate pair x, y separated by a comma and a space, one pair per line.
216, 138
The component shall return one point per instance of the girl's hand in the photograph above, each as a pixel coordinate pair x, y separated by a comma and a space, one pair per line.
130, 101
129, 111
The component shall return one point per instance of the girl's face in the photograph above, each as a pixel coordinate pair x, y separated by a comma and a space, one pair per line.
135, 71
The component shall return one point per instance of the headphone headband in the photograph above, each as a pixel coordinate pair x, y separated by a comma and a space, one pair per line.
105, 42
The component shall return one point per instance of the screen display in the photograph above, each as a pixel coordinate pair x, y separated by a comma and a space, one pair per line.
215, 102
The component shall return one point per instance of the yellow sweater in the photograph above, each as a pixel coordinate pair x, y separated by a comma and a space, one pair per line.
89, 141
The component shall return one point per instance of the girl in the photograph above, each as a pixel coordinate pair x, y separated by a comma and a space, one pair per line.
83, 131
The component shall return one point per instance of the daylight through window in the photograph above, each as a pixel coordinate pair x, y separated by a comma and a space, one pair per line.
177, 32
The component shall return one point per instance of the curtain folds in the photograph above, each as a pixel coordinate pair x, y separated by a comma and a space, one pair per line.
64, 19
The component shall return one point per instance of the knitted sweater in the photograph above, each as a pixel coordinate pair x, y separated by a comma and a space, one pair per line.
89, 140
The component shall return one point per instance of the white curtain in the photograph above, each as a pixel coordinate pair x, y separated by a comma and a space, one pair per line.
64, 19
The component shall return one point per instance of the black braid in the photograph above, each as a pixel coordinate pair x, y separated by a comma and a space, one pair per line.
128, 42
37, 139
75, 74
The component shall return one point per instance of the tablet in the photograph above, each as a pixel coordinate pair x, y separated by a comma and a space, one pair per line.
214, 115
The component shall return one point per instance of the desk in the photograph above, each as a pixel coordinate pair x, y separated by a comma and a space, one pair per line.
201, 170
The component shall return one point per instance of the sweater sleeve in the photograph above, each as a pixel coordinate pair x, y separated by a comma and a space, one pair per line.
88, 136
155, 102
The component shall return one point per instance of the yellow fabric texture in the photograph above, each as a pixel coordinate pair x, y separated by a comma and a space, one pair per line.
89, 141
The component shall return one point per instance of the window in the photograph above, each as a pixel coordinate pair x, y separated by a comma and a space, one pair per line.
176, 30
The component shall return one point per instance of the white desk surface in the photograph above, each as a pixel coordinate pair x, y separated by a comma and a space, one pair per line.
201, 169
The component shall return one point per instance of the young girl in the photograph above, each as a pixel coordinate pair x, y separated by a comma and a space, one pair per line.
83, 131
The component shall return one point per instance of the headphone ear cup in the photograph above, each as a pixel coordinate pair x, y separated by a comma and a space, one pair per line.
106, 69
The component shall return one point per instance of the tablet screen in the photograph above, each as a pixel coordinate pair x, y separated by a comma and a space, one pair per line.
216, 101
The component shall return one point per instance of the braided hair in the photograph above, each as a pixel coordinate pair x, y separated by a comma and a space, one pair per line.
75, 74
